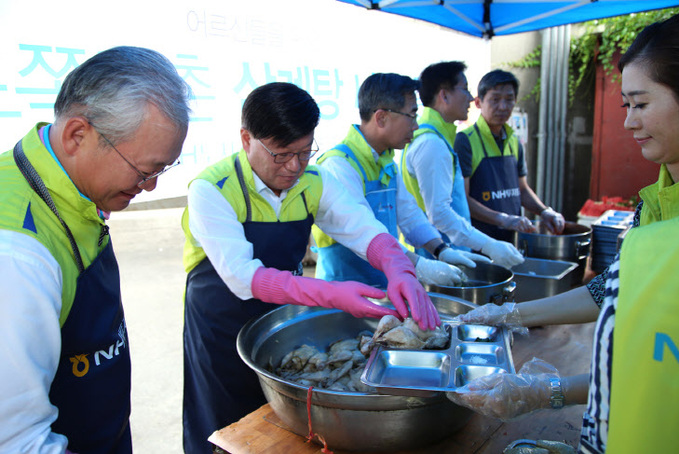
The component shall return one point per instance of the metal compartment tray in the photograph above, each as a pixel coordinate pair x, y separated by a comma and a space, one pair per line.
474, 351
540, 278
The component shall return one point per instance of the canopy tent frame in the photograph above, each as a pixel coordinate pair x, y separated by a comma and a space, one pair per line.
488, 18
484, 18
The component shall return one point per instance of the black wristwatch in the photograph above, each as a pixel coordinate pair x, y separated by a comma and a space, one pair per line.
440, 248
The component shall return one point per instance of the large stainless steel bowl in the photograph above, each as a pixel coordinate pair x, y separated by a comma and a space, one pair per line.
486, 283
573, 245
348, 421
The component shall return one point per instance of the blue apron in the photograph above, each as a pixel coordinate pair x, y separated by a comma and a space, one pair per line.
495, 174
219, 388
91, 387
458, 202
339, 263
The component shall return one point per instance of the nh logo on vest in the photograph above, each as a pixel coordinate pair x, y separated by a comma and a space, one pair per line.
662, 340
499, 195
81, 364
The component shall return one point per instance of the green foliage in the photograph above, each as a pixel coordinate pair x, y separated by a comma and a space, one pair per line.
531, 60
581, 64
601, 40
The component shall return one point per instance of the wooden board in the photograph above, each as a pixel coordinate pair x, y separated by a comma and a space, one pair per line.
567, 347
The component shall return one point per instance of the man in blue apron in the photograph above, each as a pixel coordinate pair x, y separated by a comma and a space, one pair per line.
364, 164
430, 166
247, 225
120, 121
494, 166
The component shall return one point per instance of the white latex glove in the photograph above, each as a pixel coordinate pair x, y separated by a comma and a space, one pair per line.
506, 315
468, 259
518, 223
433, 272
502, 253
553, 221
508, 396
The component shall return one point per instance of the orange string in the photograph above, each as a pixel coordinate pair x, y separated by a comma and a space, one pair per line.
311, 435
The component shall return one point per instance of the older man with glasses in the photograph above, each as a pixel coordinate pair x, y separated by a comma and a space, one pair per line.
144, 177
65, 380
247, 226
364, 163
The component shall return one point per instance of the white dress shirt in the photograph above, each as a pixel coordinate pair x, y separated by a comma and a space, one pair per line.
430, 161
31, 283
214, 225
410, 219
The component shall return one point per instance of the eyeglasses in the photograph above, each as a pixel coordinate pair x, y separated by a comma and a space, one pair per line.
282, 158
409, 115
145, 177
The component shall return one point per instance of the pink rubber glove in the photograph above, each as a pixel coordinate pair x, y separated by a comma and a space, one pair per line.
385, 254
281, 287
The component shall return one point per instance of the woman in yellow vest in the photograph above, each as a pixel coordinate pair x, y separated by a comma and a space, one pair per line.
633, 386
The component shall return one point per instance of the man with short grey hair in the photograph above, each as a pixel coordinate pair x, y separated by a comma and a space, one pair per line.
120, 121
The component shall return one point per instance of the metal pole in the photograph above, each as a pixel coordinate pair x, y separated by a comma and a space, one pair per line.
553, 54
542, 116
563, 81
558, 96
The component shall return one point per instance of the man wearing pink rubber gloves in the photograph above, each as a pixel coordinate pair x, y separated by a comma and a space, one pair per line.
247, 225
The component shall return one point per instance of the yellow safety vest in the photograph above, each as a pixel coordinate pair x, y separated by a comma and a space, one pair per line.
644, 410
223, 176
447, 130
661, 199
477, 142
366, 167
23, 211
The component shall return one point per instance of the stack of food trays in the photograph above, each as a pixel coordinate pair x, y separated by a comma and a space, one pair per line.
605, 232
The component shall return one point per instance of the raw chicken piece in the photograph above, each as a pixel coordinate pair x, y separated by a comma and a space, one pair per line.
407, 335
341, 367
400, 337
298, 358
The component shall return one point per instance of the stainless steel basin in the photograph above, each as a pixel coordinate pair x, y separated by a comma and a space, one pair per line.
346, 420
573, 245
486, 283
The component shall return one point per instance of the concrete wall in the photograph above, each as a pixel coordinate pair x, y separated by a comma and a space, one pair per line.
509, 49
